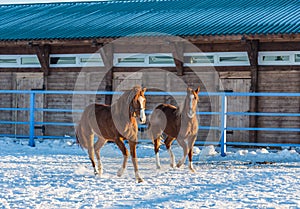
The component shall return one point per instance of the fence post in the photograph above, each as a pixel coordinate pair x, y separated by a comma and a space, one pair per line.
223, 124
31, 120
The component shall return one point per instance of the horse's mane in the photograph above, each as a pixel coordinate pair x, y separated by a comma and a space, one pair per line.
120, 110
125, 99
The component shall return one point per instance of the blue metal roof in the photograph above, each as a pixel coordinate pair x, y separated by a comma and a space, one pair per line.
106, 19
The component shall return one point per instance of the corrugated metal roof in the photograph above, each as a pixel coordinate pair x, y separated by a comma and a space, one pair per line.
142, 17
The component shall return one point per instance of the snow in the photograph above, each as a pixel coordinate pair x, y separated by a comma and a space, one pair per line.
58, 174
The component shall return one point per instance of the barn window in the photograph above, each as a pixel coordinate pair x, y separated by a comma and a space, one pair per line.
241, 59
232, 59
90, 60
62, 60
198, 59
29, 60
8, 60
297, 57
161, 59
131, 60
216, 59
143, 60
279, 58
275, 58
128, 59
75, 60
19, 61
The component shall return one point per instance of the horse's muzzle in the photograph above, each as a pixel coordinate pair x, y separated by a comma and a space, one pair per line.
142, 116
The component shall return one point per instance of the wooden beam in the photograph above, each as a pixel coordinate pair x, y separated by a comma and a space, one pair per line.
235, 74
158, 40
252, 47
177, 49
106, 53
43, 54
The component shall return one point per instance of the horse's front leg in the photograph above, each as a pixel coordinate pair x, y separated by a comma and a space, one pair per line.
184, 146
191, 142
132, 145
120, 143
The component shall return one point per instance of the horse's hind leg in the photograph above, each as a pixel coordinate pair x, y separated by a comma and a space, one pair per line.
156, 150
155, 135
98, 145
91, 151
122, 147
168, 143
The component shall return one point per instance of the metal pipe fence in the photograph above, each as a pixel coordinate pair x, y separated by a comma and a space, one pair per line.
222, 113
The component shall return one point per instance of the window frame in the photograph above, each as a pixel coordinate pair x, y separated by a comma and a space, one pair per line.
18, 63
146, 58
216, 58
78, 62
291, 54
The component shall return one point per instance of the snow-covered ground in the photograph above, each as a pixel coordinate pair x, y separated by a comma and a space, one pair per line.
58, 174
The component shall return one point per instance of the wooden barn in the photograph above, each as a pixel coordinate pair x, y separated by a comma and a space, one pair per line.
165, 45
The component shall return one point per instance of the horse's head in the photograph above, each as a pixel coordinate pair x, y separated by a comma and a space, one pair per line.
138, 104
191, 101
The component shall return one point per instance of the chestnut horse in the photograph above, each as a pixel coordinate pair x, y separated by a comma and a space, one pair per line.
114, 123
176, 124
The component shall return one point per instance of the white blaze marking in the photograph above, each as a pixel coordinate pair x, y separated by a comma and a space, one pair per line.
190, 112
191, 101
142, 111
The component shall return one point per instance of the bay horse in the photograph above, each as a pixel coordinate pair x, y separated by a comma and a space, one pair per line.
115, 123
176, 124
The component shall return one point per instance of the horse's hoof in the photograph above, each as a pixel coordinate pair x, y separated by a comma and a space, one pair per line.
120, 172
139, 180
172, 165
96, 172
158, 167
193, 170
179, 165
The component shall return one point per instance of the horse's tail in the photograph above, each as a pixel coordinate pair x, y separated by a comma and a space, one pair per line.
78, 135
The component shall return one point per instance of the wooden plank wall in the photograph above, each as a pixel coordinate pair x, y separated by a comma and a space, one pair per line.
67, 81
279, 81
6, 100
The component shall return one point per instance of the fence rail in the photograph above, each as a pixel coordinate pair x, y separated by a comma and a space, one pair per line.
223, 113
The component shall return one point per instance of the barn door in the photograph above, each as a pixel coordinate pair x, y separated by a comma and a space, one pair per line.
28, 81
237, 104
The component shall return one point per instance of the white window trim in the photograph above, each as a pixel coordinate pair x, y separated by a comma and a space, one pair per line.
232, 54
87, 64
217, 61
199, 54
77, 60
141, 64
291, 55
18, 64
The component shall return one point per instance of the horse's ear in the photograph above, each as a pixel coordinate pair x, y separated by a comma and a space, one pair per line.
197, 90
144, 90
